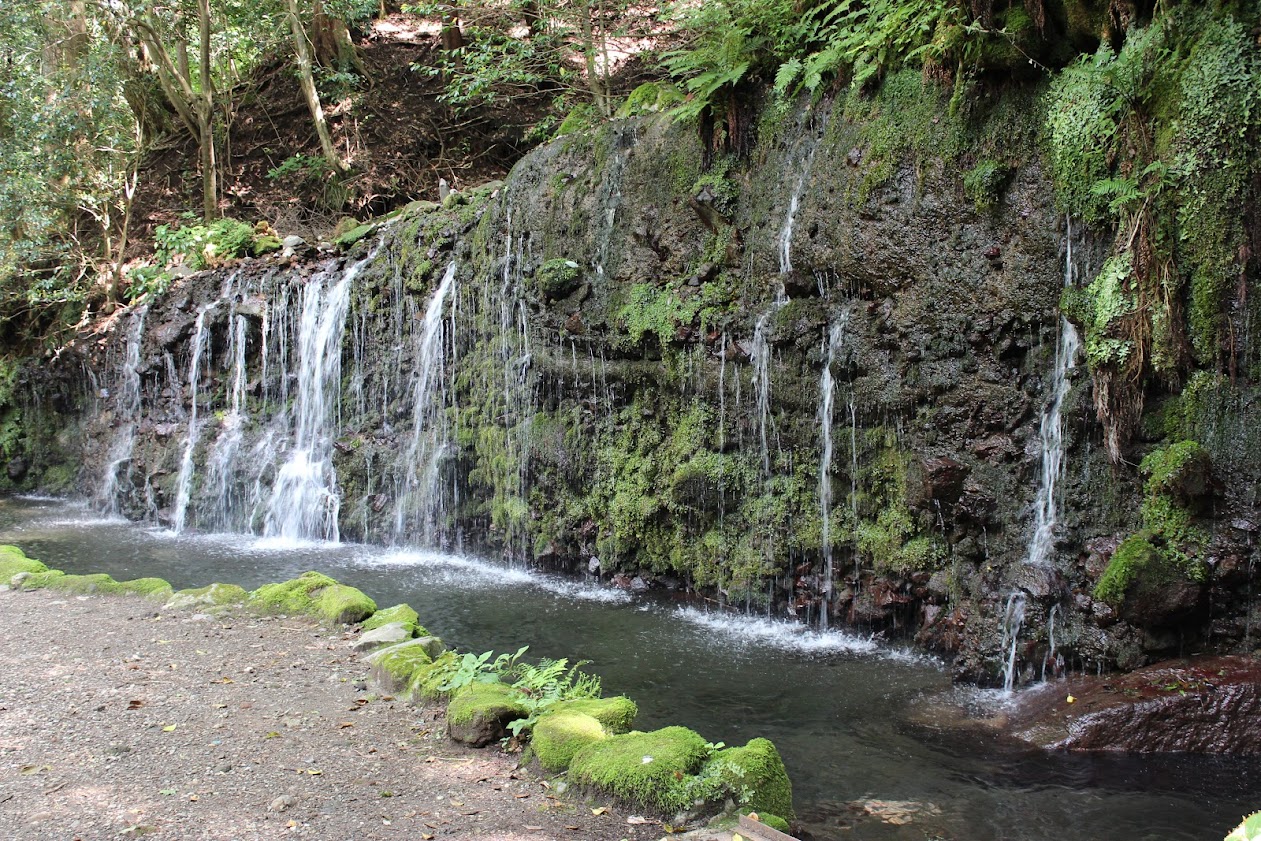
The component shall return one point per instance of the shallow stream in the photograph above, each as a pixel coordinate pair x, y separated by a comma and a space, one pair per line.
840, 707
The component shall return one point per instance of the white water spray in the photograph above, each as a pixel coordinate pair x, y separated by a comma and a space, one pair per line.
827, 401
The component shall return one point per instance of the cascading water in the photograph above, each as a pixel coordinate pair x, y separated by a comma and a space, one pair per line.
304, 502
419, 499
222, 461
827, 401
1050, 431
126, 410
1013, 619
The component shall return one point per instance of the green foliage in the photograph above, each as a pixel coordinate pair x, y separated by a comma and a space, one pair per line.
1249, 829
1181, 469
470, 668
1105, 307
302, 169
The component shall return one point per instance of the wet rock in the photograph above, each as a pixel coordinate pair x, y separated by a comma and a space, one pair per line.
1155, 604
479, 713
940, 481
17, 468
1198, 705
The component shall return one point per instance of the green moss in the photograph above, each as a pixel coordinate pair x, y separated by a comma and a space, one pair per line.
266, 244
427, 681
557, 278
1134, 558
773, 821
756, 775
212, 595
582, 118
398, 613
397, 666
59, 478
616, 714
985, 182
643, 768
314, 594
13, 560
485, 701
354, 234
1182, 469
558, 736
97, 584
649, 98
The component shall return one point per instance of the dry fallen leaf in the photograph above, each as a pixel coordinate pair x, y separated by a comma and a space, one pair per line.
169, 728
135, 704
599, 811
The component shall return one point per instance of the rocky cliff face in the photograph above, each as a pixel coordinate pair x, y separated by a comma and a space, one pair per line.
832, 378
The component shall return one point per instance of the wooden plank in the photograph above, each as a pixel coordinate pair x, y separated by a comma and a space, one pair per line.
761, 832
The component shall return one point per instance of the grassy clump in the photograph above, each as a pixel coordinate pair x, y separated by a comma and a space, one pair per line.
314, 594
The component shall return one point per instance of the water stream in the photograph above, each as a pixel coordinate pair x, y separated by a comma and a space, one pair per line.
841, 708
827, 402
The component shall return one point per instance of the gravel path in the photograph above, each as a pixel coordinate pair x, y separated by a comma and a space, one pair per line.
120, 720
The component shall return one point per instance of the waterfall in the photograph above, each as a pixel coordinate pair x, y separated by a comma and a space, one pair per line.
1013, 618
127, 412
419, 498
1050, 431
184, 483
760, 354
304, 502
827, 399
222, 461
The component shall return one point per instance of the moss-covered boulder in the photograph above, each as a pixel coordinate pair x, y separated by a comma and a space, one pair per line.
647, 769
390, 634
480, 713
755, 773
13, 560
155, 589
560, 735
399, 613
616, 714
314, 594
428, 681
394, 667
211, 596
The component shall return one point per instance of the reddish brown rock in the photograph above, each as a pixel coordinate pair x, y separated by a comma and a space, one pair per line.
1197, 705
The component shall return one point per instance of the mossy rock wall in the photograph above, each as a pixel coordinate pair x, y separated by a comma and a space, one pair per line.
608, 313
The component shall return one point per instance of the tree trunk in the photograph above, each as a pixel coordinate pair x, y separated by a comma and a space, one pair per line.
302, 52
452, 35
205, 120
595, 81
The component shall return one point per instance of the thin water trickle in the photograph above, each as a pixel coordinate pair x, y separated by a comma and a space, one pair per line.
127, 412
419, 501
1013, 619
184, 482
827, 400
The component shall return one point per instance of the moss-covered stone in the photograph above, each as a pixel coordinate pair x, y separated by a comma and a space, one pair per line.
649, 769
99, 583
1135, 557
398, 613
615, 714
210, 596
773, 821
427, 681
479, 713
757, 775
560, 735
394, 667
314, 594
13, 560
1183, 469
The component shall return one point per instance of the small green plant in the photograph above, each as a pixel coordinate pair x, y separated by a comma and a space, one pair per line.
303, 168
547, 684
476, 668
